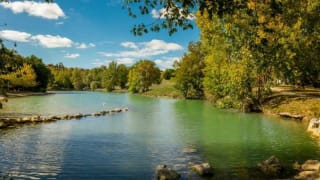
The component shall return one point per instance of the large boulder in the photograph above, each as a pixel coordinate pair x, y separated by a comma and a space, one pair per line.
271, 166
2, 125
309, 170
164, 173
203, 169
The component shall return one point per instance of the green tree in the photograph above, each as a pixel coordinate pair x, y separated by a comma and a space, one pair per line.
42, 72
111, 76
168, 74
142, 75
22, 77
122, 72
189, 72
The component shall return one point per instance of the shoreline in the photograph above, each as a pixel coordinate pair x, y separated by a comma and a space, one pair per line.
296, 107
25, 94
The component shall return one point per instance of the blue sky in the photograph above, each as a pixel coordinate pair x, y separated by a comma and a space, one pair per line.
87, 33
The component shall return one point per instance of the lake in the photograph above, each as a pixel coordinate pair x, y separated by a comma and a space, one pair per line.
129, 145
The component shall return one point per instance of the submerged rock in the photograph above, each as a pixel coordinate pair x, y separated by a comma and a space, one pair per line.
203, 169
189, 150
271, 166
164, 173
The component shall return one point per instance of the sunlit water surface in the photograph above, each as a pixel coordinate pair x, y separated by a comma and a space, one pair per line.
131, 144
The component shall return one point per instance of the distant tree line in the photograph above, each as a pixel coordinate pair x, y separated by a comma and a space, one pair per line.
18, 73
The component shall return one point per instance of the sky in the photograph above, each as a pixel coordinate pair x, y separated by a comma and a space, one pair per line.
87, 33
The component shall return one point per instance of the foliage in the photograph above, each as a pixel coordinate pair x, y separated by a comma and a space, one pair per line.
142, 75
122, 72
83, 79
250, 48
176, 13
22, 77
14, 66
42, 72
189, 72
168, 74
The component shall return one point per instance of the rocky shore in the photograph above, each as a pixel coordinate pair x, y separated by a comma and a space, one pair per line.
7, 122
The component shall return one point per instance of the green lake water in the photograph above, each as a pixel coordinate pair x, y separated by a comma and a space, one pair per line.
131, 144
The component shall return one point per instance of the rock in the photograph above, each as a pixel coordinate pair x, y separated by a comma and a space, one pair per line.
179, 166
125, 109
189, 150
203, 169
307, 175
2, 125
271, 166
35, 118
78, 116
314, 126
86, 115
289, 115
311, 165
164, 173
116, 110
97, 114
103, 112
26, 119
309, 170
54, 118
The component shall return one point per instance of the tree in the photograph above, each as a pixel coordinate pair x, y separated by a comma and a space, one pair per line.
42, 72
142, 75
111, 76
175, 14
122, 72
22, 77
189, 72
168, 74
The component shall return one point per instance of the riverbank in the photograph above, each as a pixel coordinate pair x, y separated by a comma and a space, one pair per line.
24, 94
285, 101
165, 89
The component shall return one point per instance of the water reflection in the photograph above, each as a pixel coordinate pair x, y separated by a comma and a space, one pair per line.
31, 152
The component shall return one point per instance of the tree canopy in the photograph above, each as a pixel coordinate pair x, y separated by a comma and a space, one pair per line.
142, 75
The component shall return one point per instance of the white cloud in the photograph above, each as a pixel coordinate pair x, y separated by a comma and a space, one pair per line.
126, 61
72, 56
161, 13
129, 45
166, 62
47, 41
50, 41
92, 45
146, 49
15, 35
39, 9
84, 45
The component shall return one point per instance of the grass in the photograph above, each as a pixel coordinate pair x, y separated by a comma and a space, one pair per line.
304, 102
164, 89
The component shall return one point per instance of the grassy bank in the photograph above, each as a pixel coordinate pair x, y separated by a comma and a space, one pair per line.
165, 89
305, 102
